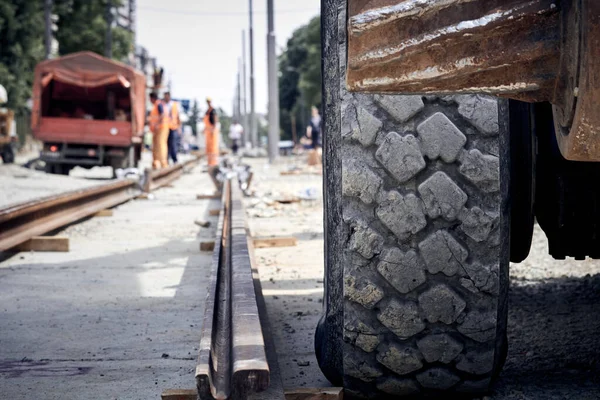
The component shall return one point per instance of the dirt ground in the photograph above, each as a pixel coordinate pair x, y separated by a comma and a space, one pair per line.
119, 316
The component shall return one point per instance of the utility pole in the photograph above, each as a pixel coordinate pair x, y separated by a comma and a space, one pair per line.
109, 23
245, 92
132, 13
48, 31
238, 100
253, 125
273, 85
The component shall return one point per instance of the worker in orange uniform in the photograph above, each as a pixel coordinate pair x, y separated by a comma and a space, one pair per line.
171, 108
159, 126
211, 134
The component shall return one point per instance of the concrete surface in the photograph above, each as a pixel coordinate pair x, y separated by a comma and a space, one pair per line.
118, 317
21, 184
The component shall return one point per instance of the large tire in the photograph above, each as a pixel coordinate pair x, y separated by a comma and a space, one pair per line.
8, 154
416, 202
58, 169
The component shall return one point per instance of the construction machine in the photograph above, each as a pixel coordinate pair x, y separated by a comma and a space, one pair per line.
450, 126
88, 111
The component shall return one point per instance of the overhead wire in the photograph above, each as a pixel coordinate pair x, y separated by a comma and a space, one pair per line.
224, 13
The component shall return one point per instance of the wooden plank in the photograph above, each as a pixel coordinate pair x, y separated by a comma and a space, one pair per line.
45, 243
207, 246
282, 241
294, 172
179, 394
214, 212
207, 196
315, 394
145, 196
301, 172
104, 213
288, 200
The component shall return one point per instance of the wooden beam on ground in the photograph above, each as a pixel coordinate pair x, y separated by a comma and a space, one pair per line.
207, 246
314, 394
288, 200
301, 172
104, 213
214, 196
294, 172
282, 241
45, 243
214, 212
179, 394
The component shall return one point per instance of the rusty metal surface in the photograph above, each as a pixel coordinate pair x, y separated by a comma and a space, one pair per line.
21, 222
530, 50
492, 46
232, 361
579, 132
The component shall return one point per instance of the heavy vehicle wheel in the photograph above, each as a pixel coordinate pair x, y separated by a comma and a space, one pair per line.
417, 246
58, 169
8, 155
129, 161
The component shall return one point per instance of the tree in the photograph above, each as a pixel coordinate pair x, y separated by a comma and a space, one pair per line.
82, 27
21, 48
225, 121
300, 77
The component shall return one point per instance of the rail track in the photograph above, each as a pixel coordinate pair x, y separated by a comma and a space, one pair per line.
23, 221
237, 356
155, 179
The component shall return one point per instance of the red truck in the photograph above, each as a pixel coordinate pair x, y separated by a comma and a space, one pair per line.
88, 111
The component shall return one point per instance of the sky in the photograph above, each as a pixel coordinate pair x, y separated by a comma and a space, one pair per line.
199, 43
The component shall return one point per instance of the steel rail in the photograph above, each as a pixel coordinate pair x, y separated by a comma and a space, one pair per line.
232, 362
154, 179
21, 222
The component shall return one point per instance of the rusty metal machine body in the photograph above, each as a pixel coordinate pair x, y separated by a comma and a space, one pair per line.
529, 50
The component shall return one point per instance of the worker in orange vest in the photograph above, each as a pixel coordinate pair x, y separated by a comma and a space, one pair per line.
211, 134
172, 110
159, 126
